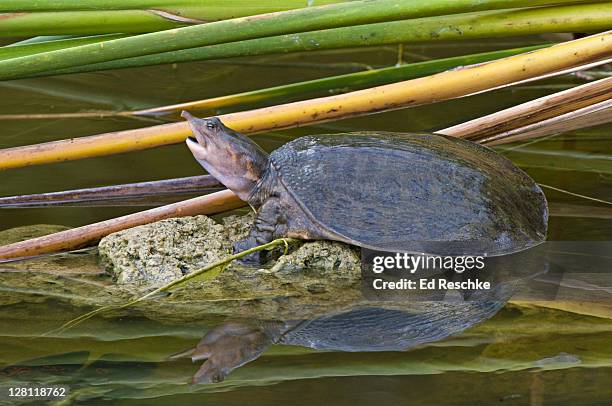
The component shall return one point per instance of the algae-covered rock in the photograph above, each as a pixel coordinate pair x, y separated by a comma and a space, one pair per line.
160, 252
321, 255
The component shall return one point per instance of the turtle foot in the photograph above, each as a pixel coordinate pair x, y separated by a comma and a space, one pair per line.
209, 373
227, 347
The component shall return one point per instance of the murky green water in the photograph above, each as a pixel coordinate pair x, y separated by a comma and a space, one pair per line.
512, 358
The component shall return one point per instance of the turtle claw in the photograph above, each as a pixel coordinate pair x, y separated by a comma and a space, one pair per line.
209, 373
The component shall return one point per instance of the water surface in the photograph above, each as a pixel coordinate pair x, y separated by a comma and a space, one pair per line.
523, 355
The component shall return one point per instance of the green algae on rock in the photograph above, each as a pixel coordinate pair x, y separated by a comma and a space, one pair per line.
161, 252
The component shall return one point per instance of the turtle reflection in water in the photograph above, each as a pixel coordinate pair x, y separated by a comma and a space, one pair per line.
366, 327
384, 191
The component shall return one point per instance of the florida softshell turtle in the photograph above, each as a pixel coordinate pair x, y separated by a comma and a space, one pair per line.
416, 192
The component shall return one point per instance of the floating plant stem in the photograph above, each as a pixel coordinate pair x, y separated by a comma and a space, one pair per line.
92, 233
492, 24
335, 84
588, 116
115, 194
238, 6
451, 84
494, 126
101, 17
253, 36
297, 91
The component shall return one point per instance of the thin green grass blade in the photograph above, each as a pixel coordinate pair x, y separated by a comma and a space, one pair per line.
42, 38
567, 192
235, 32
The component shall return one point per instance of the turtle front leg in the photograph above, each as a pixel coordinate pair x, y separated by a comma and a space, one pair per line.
227, 347
269, 224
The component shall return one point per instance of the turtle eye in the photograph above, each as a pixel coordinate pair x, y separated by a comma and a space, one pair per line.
210, 125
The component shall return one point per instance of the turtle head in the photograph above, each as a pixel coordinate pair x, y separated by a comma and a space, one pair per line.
232, 158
